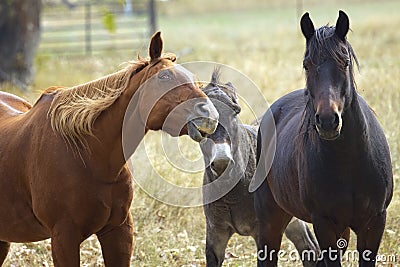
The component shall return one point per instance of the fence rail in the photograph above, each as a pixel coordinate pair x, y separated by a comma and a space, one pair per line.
94, 28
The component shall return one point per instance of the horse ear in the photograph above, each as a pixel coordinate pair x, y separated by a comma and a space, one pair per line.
342, 25
156, 46
307, 26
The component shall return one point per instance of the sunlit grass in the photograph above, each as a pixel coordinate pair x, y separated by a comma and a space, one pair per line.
266, 45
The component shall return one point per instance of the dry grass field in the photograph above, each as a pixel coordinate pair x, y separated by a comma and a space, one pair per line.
264, 42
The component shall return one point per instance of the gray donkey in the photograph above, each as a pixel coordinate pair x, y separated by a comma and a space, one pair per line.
230, 155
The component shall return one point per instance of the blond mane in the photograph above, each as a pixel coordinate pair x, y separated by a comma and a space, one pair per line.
74, 110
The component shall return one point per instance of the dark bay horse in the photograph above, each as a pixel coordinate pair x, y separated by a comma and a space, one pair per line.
230, 153
332, 164
62, 166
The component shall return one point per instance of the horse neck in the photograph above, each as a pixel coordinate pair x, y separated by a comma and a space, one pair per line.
107, 145
354, 122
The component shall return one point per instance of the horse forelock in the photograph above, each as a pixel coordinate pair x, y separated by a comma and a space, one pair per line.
74, 110
325, 43
168, 56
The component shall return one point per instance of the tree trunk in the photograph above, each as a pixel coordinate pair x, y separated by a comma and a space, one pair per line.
19, 39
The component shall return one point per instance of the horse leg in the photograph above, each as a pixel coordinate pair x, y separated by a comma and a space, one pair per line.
117, 242
4, 248
272, 223
65, 241
369, 239
216, 242
298, 232
325, 231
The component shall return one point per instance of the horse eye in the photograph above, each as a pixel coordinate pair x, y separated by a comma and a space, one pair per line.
308, 93
164, 76
305, 65
347, 63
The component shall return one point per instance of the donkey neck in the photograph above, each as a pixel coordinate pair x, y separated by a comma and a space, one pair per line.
243, 147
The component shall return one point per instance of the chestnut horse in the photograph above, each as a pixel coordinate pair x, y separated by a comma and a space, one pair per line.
332, 163
62, 163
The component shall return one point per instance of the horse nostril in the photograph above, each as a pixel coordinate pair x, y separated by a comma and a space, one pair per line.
207, 110
327, 122
336, 119
317, 119
202, 109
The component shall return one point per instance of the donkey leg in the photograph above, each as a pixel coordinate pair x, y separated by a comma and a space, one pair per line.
216, 242
313, 239
326, 233
369, 239
117, 242
272, 223
4, 248
298, 232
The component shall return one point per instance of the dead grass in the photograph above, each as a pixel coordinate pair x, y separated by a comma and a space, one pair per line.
266, 45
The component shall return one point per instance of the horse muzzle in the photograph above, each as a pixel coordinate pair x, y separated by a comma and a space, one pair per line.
328, 125
205, 121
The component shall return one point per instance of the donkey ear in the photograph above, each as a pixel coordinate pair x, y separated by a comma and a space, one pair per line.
232, 91
156, 46
342, 25
307, 26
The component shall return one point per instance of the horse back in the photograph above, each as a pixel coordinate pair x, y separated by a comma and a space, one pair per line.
286, 112
282, 110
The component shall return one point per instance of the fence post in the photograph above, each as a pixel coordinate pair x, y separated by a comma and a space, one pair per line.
152, 17
88, 26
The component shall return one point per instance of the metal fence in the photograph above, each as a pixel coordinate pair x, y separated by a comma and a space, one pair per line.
89, 28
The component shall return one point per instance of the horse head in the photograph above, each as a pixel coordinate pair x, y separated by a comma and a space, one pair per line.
328, 64
170, 98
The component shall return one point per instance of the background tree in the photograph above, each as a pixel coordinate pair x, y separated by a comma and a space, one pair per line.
19, 39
